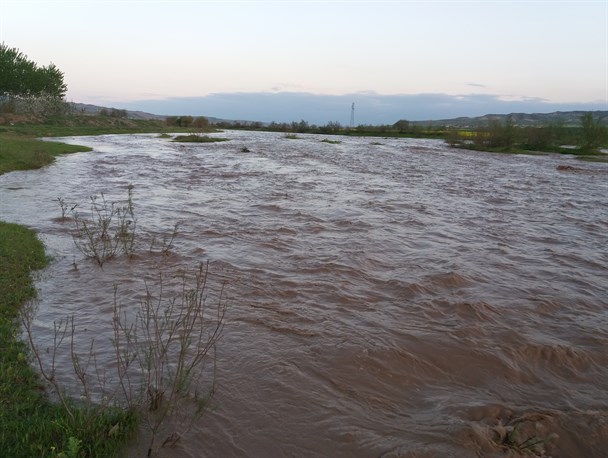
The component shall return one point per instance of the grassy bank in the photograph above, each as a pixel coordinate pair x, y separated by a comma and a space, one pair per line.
30, 424
18, 152
20, 148
64, 126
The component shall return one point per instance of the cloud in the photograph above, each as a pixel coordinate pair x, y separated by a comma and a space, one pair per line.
370, 108
475, 84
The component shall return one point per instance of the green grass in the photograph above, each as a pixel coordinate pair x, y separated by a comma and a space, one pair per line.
23, 153
331, 142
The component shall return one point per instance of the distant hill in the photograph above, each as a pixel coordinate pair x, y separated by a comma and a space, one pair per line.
93, 110
562, 118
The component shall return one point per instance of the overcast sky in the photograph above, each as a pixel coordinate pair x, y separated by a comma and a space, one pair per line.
280, 60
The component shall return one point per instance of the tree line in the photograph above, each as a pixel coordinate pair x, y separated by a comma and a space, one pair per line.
591, 135
26, 86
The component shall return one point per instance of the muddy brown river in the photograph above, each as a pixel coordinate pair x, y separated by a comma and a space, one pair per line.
386, 297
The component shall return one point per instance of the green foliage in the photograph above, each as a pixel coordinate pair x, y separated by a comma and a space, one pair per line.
200, 123
593, 133
20, 76
506, 137
399, 129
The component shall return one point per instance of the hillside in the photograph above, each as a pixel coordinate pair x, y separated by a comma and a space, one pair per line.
562, 118
88, 109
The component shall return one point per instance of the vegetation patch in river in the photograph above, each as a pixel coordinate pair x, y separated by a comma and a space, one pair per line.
196, 138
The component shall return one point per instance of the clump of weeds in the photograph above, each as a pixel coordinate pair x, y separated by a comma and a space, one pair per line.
109, 231
524, 435
66, 209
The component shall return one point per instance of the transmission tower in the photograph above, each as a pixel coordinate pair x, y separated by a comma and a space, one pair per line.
352, 115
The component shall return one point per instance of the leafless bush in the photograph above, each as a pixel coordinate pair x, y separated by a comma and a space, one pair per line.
110, 230
163, 363
171, 342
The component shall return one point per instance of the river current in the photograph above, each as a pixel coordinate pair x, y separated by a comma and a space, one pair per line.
386, 297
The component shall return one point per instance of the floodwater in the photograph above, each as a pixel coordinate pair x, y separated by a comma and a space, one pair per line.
386, 297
